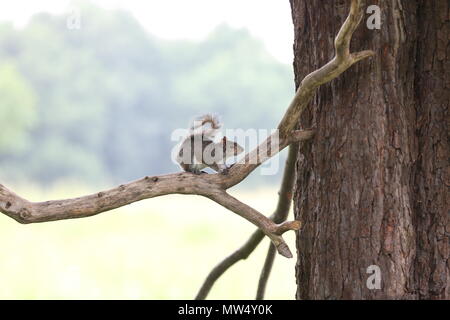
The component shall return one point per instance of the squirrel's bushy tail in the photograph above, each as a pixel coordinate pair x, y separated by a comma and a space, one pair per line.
199, 125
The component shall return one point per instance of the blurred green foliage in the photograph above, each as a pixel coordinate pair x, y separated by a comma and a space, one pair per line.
18, 107
98, 104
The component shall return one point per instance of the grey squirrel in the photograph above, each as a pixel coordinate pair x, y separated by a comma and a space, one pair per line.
198, 150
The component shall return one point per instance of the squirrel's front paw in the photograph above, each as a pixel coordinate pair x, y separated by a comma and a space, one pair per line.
224, 171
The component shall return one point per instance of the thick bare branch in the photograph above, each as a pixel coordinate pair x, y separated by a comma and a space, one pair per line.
25, 211
267, 149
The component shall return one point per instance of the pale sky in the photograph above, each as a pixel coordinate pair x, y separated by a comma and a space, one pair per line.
269, 20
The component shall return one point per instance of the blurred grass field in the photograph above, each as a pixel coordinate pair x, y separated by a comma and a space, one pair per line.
160, 248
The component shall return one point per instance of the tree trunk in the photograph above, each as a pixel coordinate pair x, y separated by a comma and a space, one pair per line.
373, 185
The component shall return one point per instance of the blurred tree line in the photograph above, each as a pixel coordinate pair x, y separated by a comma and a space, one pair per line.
98, 104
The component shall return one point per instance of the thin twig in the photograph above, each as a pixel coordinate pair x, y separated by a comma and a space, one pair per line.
265, 272
241, 254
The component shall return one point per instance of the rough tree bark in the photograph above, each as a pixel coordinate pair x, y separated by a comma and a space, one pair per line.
373, 184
